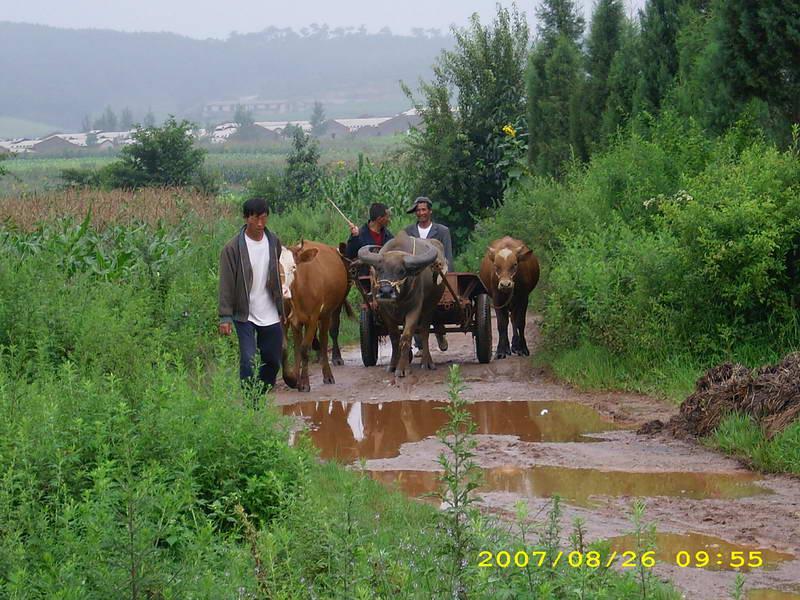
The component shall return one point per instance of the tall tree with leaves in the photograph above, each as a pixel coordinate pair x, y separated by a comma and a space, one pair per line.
757, 46
622, 81
149, 119
604, 41
107, 121
317, 120
660, 23
485, 69
553, 82
126, 119
302, 168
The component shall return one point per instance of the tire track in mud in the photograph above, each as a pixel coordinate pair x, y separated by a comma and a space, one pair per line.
688, 488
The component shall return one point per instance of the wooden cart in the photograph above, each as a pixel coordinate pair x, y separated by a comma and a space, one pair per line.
466, 312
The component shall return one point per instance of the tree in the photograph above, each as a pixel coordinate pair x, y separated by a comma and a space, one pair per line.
553, 124
459, 168
107, 121
302, 168
660, 23
3, 170
605, 39
317, 120
559, 18
243, 117
86, 124
757, 45
158, 156
554, 81
149, 119
126, 119
623, 78
91, 139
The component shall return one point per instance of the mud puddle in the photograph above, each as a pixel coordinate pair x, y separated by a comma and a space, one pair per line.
767, 594
347, 431
700, 551
688, 488
581, 487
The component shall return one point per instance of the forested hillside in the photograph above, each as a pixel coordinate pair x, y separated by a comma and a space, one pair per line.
59, 75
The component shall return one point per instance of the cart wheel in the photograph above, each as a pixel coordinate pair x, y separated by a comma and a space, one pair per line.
483, 329
369, 338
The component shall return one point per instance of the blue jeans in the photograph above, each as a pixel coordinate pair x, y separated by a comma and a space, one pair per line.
269, 341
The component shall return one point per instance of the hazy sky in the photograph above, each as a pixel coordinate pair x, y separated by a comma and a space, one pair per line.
217, 18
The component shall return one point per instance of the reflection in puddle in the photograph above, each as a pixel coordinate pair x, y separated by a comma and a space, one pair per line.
765, 594
720, 552
350, 430
577, 485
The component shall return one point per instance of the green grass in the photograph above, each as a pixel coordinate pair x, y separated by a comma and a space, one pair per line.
740, 436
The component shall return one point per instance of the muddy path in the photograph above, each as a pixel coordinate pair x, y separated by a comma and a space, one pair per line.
538, 437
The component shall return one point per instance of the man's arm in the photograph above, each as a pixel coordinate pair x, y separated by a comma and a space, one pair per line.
227, 290
448, 246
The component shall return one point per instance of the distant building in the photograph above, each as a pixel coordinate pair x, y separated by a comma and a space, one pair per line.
400, 123
255, 104
333, 129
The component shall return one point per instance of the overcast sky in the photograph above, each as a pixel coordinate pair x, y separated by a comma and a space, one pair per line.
217, 18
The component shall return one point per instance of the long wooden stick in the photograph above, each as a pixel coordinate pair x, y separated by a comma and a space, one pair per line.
349, 222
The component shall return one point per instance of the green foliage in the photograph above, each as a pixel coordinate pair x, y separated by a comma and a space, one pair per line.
302, 170
317, 119
162, 156
455, 156
3, 170
741, 436
557, 19
659, 54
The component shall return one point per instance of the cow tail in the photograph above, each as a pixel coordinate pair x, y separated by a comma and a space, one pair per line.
288, 373
348, 309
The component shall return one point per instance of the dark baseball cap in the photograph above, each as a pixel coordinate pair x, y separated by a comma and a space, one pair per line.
418, 201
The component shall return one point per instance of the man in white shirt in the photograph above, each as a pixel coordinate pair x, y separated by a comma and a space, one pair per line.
426, 229
250, 297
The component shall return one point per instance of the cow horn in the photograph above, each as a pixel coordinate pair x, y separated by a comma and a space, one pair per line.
420, 261
368, 257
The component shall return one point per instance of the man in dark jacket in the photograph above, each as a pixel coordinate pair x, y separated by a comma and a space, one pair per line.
426, 229
250, 297
373, 232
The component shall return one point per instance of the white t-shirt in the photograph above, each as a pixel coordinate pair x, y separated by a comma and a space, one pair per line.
424, 231
262, 309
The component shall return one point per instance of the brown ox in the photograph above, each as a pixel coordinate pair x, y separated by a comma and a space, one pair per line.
510, 271
314, 290
407, 290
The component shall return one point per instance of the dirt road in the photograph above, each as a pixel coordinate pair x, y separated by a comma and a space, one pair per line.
538, 437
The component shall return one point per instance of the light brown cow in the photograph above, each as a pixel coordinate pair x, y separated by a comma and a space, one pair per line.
510, 271
315, 288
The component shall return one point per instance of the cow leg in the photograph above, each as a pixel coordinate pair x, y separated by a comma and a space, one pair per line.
394, 336
518, 345
324, 325
336, 359
297, 336
308, 338
503, 348
412, 318
427, 360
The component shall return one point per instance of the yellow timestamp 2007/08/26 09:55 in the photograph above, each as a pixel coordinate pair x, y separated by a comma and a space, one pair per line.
627, 560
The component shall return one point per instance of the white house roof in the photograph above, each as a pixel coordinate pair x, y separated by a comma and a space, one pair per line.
356, 124
281, 125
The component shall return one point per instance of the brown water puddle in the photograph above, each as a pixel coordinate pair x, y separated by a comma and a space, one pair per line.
348, 431
700, 551
576, 486
765, 594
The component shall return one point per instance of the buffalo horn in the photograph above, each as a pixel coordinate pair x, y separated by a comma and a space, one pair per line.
420, 261
368, 257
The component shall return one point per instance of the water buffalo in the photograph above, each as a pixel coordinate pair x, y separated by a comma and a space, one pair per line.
407, 289
315, 285
510, 271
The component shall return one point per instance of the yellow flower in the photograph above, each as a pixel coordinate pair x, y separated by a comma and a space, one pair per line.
510, 131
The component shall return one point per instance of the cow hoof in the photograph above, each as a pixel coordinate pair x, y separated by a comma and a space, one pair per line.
400, 373
500, 355
328, 379
304, 387
390, 368
429, 366
337, 362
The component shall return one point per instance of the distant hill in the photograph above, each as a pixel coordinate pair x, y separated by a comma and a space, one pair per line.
57, 76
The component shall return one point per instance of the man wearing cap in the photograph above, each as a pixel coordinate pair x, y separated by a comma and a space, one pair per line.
373, 232
426, 229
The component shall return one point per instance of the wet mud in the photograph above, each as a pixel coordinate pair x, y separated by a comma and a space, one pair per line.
538, 437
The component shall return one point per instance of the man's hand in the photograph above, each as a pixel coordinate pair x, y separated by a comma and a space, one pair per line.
225, 328
353, 229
